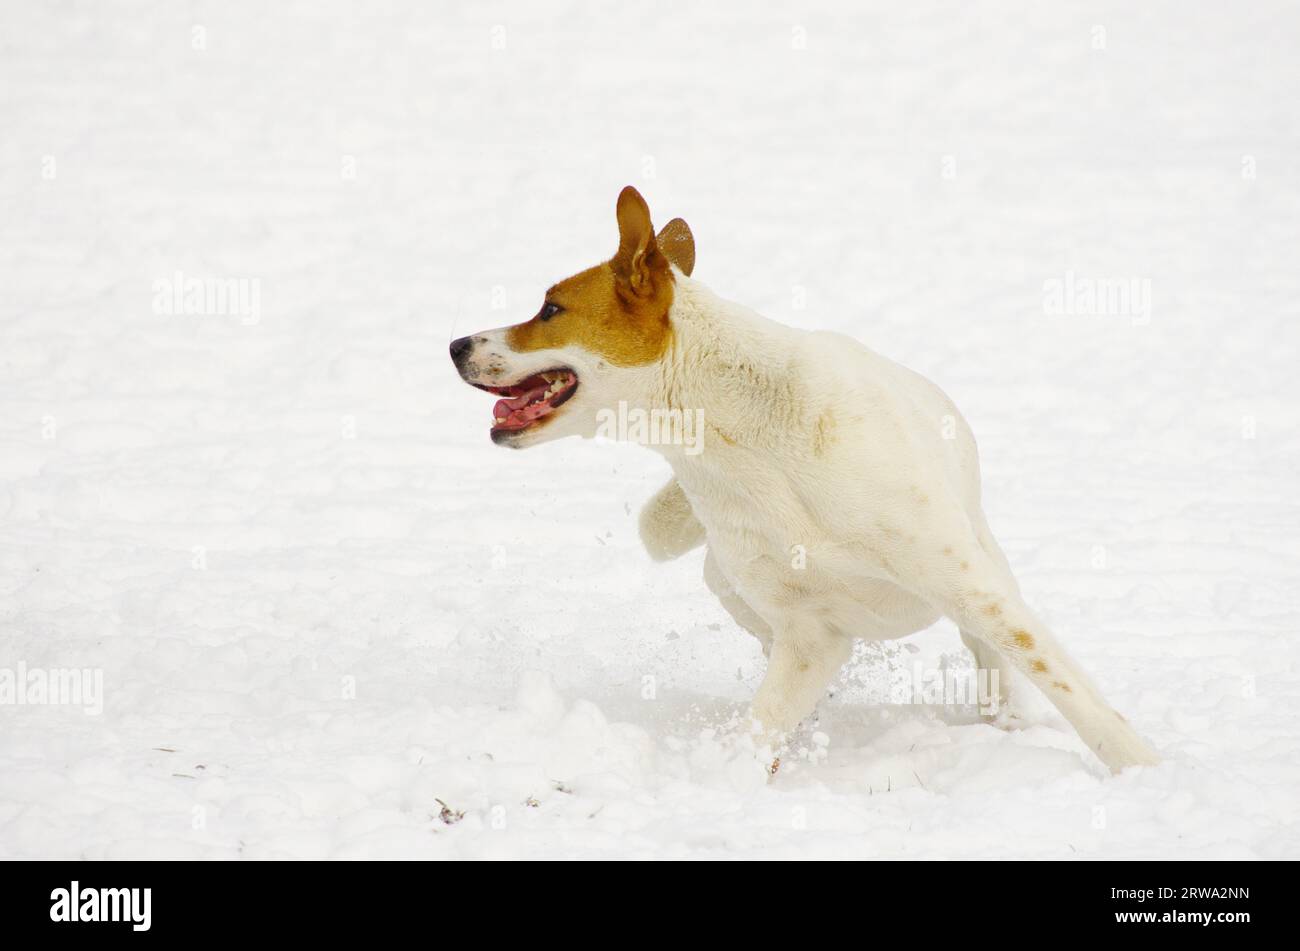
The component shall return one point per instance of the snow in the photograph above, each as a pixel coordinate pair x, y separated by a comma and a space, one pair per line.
324, 604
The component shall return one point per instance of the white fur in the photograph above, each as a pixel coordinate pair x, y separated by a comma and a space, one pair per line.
816, 445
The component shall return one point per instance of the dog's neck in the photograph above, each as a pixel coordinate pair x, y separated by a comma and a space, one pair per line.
733, 366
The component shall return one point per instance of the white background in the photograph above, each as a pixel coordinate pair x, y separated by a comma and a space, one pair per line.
388, 173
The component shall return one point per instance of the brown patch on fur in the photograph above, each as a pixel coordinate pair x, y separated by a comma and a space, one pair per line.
618, 309
721, 435
1038, 667
992, 610
965, 566
823, 432
796, 589
948, 550
1059, 685
1022, 639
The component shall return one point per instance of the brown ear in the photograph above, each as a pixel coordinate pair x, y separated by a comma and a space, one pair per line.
638, 256
678, 245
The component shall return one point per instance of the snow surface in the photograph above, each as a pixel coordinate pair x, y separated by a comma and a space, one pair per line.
324, 605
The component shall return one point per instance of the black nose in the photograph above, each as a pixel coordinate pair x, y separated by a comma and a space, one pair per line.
459, 348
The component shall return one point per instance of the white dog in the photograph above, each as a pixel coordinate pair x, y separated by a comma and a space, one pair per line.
838, 492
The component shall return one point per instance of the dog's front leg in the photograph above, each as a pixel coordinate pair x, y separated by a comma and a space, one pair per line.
669, 528
805, 658
735, 605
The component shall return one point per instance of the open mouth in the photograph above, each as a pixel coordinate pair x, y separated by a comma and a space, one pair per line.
531, 399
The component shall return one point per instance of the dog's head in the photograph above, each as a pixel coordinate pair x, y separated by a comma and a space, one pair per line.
553, 373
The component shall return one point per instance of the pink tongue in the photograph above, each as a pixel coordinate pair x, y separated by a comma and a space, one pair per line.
506, 407
517, 409
519, 402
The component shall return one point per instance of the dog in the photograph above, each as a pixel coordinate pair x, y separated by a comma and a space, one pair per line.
837, 492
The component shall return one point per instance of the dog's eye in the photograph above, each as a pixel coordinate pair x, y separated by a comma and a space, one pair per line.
549, 310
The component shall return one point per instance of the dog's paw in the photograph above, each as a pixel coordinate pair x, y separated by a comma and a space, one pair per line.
734, 756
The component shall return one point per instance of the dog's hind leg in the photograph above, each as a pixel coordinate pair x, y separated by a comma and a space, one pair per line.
736, 606
984, 601
989, 658
669, 528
